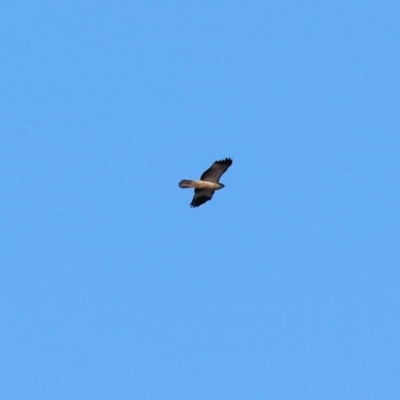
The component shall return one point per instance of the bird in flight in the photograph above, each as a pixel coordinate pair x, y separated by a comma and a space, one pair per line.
208, 183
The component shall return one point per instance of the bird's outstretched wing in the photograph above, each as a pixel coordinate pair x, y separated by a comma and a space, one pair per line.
201, 196
216, 170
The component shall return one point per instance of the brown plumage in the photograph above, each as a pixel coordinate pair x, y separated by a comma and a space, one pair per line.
208, 183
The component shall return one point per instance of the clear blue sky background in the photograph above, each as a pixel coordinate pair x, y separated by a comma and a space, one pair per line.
285, 285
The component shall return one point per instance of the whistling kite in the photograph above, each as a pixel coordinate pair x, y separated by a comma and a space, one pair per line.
208, 183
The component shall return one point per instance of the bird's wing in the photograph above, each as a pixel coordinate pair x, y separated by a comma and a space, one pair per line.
201, 196
216, 170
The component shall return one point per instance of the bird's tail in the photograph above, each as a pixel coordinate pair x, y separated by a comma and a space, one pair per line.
185, 184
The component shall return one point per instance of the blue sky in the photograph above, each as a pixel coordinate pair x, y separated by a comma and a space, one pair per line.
285, 285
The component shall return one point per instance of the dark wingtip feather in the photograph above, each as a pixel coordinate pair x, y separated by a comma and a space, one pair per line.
227, 161
196, 202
